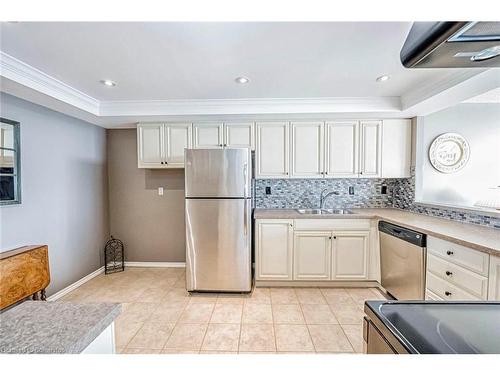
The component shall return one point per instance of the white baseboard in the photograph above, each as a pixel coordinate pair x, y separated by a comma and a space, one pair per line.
156, 264
75, 285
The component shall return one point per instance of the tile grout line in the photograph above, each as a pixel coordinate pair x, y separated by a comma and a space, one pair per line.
208, 323
176, 321
305, 322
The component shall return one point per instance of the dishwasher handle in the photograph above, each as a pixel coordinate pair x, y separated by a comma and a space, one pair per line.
405, 234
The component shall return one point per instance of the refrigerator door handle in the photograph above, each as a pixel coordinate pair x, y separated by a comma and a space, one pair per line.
245, 178
245, 221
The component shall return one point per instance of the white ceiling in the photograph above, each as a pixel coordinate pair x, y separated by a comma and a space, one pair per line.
161, 61
492, 96
175, 70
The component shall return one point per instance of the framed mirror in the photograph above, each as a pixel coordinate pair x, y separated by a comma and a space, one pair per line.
10, 162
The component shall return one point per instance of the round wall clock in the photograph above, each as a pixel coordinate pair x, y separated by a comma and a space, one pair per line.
449, 152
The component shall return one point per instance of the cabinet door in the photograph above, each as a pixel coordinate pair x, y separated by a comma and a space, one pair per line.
307, 149
371, 150
312, 255
342, 149
272, 150
396, 148
274, 247
350, 255
494, 279
150, 149
177, 138
208, 135
239, 134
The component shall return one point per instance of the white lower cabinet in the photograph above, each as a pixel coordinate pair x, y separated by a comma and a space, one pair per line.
494, 279
312, 255
274, 249
456, 273
350, 255
312, 250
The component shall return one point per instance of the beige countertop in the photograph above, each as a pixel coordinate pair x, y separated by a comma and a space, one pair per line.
474, 236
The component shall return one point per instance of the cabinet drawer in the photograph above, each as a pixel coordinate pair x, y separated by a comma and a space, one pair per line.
332, 224
463, 256
463, 278
447, 291
429, 296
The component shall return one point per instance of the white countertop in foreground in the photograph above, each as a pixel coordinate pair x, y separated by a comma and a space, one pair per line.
474, 236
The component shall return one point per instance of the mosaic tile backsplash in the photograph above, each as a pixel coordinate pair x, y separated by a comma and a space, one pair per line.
305, 193
400, 193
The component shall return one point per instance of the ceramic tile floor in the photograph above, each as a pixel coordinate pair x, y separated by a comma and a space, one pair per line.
159, 316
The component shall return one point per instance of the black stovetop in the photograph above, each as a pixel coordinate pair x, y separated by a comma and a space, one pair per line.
428, 327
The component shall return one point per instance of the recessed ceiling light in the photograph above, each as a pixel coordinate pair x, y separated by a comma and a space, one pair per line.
242, 80
383, 78
108, 82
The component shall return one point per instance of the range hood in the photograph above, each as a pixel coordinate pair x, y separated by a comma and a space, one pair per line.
452, 45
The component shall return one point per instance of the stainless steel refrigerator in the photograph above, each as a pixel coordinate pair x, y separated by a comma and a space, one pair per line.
218, 220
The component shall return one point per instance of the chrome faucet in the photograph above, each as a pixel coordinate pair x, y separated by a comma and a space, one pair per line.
324, 196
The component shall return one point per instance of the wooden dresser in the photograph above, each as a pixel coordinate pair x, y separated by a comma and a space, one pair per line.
24, 272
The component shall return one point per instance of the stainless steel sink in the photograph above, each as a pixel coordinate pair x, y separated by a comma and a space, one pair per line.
317, 211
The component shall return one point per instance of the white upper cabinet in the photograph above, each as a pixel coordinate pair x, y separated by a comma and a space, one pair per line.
396, 148
272, 150
208, 135
150, 145
239, 134
217, 135
350, 255
177, 138
162, 145
342, 149
370, 149
307, 149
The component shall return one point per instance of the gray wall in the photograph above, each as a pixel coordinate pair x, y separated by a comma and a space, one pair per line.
480, 125
151, 226
64, 191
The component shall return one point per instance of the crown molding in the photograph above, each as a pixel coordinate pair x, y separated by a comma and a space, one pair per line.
24, 81
250, 106
30, 77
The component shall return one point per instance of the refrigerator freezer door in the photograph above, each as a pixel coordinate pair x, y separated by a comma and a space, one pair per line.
218, 245
218, 173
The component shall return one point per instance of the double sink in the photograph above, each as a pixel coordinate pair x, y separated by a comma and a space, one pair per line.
318, 211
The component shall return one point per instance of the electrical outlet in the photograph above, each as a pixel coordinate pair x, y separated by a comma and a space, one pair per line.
160, 190
268, 190
351, 190
383, 190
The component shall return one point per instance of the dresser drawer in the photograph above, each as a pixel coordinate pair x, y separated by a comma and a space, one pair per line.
463, 256
455, 274
447, 291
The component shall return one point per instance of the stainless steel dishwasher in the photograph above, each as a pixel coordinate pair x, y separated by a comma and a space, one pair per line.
402, 261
